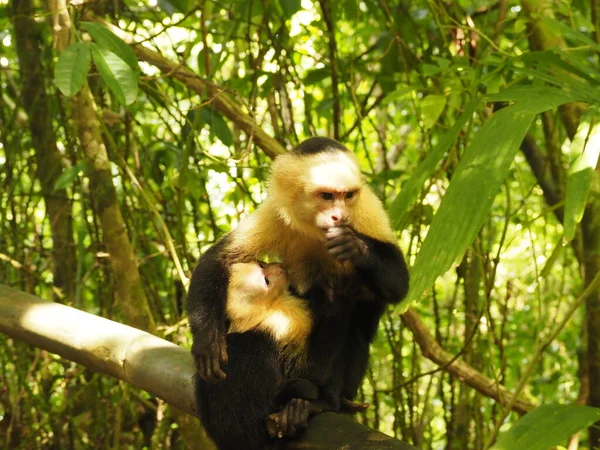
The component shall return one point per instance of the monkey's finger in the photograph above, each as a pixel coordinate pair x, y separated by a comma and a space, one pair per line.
302, 415
291, 423
217, 373
283, 423
342, 250
331, 240
223, 354
204, 369
337, 242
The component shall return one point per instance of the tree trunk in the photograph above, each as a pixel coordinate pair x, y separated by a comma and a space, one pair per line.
147, 362
48, 159
131, 297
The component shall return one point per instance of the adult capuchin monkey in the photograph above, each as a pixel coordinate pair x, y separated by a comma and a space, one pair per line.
334, 238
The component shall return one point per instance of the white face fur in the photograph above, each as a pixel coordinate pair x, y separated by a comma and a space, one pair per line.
317, 191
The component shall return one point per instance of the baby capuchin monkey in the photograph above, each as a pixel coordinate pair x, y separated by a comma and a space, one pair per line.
266, 342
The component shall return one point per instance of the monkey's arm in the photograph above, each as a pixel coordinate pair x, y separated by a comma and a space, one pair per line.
379, 264
207, 297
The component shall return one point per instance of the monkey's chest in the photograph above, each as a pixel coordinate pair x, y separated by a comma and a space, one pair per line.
311, 265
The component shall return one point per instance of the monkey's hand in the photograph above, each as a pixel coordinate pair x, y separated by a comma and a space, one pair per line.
344, 245
292, 419
350, 407
209, 353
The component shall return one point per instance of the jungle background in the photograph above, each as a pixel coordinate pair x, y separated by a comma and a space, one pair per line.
474, 121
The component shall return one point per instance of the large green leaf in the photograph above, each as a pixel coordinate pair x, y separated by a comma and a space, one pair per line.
72, 68
586, 145
535, 98
400, 207
573, 35
108, 41
118, 76
546, 427
217, 125
469, 196
475, 183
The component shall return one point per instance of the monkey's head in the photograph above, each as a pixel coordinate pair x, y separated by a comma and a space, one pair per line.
316, 186
257, 281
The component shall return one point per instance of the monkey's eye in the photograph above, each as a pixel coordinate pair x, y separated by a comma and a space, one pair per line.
267, 282
261, 264
350, 194
326, 195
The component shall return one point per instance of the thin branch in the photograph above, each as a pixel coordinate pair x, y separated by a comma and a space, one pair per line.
432, 350
219, 98
326, 9
543, 343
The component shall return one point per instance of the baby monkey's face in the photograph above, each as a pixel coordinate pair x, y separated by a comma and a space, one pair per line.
259, 278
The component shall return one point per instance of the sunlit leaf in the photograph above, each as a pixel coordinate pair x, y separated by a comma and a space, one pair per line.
474, 185
398, 94
118, 76
72, 68
107, 40
586, 145
546, 427
431, 108
401, 205
536, 98
68, 176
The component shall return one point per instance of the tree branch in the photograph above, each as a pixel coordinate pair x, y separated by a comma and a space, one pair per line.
159, 367
460, 369
219, 98
327, 13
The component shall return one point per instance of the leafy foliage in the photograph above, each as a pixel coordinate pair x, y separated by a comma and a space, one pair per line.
546, 427
461, 115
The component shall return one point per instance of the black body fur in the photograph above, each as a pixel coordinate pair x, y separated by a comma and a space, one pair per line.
234, 411
346, 311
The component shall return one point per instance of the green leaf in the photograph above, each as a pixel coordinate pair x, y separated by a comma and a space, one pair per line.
68, 176
399, 93
558, 249
316, 75
214, 60
290, 7
535, 98
586, 145
72, 68
118, 76
569, 33
107, 40
430, 69
431, 108
400, 207
217, 125
469, 197
546, 427
474, 185
170, 7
